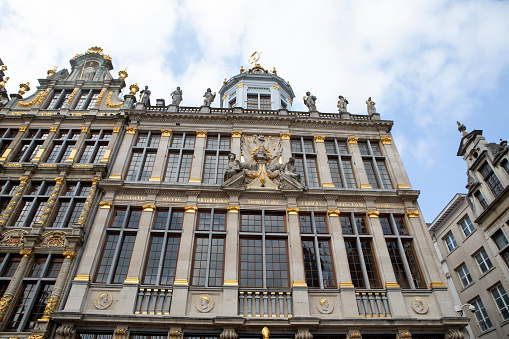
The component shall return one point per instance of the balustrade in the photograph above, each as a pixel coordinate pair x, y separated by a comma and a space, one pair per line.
265, 304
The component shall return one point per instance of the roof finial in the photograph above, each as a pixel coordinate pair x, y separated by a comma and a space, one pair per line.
253, 59
462, 128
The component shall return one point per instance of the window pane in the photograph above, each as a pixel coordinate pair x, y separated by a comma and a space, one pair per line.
251, 263
277, 263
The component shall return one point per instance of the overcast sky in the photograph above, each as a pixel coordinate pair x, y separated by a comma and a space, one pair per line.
425, 63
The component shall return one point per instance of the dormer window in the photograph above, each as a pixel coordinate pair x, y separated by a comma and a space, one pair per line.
491, 179
258, 101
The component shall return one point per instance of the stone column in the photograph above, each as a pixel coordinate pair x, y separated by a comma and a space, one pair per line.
236, 143
79, 143
387, 276
158, 169
53, 300
11, 207
127, 142
394, 160
41, 153
10, 292
231, 260
111, 145
300, 298
59, 181
358, 164
323, 161
199, 154
88, 203
8, 154
181, 283
286, 146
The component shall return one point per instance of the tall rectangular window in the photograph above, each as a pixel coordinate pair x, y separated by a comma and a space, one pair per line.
464, 274
258, 101
118, 247
63, 144
305, 161
32, 203
69, 205
208, 258
6, 137
491, 179
359, 251
180, 157
502, 300
467, 226
483, 261
263, 250
374, 164
30, 145
483, 320
143, 157
95, 146
216, 158
59, 99
164, 247
318, 264
87, 100
340, 164
480, 198
450, 242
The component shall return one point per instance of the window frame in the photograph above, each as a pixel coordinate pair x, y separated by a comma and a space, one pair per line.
340, 158
481, 315
180, 151
467, 225
302, 158
32, 142
452, 241
221, 159
482, 259
378, 179
503, 305
464, 275
138, 171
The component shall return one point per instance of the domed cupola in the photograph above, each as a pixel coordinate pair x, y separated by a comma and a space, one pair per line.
257, 89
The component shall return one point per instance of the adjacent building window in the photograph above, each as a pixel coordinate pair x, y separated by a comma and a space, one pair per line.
316, 246
505, 165
483, 261
450, 242
232, 103
32, 204
374, 163
481, 199
340, 163
491, 179
7, 190
118, 246
59, 99
481, 315
467, 226
87, 99
359, 250
6, 137
258, 101
464, 275
501, 241
216, 158
209, 244
95, 146
305, 161
502, 300
30, 145
164, 247
69, 205
399, 242
9, 263
35, 291
180, 157
63, 144
143, 157
263, 250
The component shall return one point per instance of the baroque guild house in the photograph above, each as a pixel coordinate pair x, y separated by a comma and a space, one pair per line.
123, 219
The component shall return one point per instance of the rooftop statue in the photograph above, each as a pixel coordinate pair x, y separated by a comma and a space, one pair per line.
310, 101
342, 102
176, 96
145, 96
209, 97
371, 106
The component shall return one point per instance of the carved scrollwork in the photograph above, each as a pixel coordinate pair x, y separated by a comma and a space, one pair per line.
55, 239
14, 238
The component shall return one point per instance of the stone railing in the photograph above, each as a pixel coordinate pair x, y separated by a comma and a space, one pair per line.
153, 301
372, 304
265, 304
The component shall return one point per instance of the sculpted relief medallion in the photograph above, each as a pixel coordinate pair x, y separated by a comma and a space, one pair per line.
324, 305
103, 300
419, 305
204, 303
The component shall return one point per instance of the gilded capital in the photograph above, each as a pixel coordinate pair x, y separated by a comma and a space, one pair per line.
352, 140
373, 214
149, 208
241, 85
116, 129
59, 180
412, 213
85, 129
24, 180
285, 136
106, 204
53, 128
233, 209
191, 209
292, 210
166, 132
131, 130
236, 134
319, 138
224, 97
69, 254
386, 140
333, 213
201, 134
23, 128
27, 253
276, 87
95, 180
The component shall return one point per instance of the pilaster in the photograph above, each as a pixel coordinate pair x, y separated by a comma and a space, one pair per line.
199, 151
323, 163
362, 177
125, 147
158, 169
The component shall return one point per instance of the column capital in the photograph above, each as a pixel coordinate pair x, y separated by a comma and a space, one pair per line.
85, 129
412, 213
191, 209
53, 128
166, 132
333, 213
131, 130
148, 207
23, 128
69, 254
116, 129
285, 136
201, 134
373, 214
353, 140
233, 209
60, 180
95, 180
24, 180
27, 253
236, 134
292, 210
386, 140
106, 204
319, 138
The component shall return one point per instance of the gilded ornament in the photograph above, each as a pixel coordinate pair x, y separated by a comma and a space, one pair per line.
53, 128
51, 305
3, 82
241, 85
4, 68
106, 204
134, 89
233, 209
299, 284
242, 70
276, 87
24, 180
392, 285
100, 97
204, 303
37, 100
84, 129
24, 88
436, 284
23, 128
285, 136
236, 134
5, 301
352, 140
386, 140
69, 254
333, 213
95, 180
52, 71
319, 138
328, 184
373, 214
324, 305
224, 96
274, 72
191, 209
148, 207
74, 91
26, 253
59, 180
166, 132
180, 282
131, 130
412, 214
123, 74
224, 81
116, 129
265, 333
201, 134
94, 50
110, 104
292, 210
36, 336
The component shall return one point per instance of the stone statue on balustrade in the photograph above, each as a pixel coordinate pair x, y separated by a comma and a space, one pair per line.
371, 106
310, 101
233, 168
145, 96
342, 102
176, 96
209, 97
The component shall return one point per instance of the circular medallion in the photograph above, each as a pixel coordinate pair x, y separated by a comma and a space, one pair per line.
103, 300
324, 305
419, 305
204, 303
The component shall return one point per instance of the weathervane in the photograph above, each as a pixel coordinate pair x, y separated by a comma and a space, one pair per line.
254, 59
